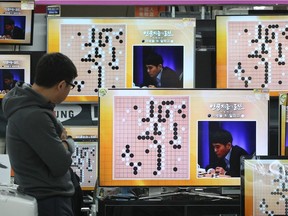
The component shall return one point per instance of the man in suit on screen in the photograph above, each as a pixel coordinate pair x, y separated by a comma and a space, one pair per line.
228, 155
160, 76
12, 31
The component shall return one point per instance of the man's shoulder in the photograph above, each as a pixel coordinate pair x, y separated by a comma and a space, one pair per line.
169, 70
18, 28
239, 149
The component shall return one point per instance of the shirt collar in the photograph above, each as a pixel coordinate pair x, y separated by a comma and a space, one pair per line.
159, 74
227, 157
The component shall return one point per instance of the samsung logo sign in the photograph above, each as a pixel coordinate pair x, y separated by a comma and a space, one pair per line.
66, 112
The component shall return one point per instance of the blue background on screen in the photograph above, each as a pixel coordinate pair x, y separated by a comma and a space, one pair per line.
17, 73
20, 21
243, 133
172, 58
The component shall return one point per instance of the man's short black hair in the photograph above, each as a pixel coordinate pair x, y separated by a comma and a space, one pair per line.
221, 136
9, 21
8, 75
154, 59
53, 68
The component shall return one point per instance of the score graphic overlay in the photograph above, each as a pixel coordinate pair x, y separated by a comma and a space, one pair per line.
268, 180
151, 137
99, 55
257, 54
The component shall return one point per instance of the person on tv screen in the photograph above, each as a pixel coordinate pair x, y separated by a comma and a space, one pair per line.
9, 81
228, 155
12, 31
160, 76
37, 143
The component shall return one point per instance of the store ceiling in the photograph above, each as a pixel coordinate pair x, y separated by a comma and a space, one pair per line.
162, 2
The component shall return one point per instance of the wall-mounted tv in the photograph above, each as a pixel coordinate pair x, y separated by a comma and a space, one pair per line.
162, 137
16, 25
113, 52
251, 52
13, 67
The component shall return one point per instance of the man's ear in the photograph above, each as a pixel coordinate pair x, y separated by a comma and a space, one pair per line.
62, 84
229, 145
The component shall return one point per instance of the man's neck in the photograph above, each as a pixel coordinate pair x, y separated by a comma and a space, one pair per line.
45, 92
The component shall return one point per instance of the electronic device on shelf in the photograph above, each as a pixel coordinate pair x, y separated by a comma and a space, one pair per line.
5, 170
250, 52
160, 137
11, 13
12, 202
85, 157
14, 67
263, 185
111, 52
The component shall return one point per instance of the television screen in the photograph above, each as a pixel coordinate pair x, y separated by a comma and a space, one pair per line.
16, 25
85, 157
250, 52
165, 137
263, 185
116, 52
13, 67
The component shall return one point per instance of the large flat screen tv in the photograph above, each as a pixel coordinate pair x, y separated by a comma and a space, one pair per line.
113, 52
163, 137
16, 24
251, 52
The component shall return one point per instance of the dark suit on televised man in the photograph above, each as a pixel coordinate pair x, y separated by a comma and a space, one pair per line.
12, 31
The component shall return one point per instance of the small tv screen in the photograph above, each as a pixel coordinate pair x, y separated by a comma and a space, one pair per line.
116, 52
169, 137
85, 157
16, 24
263, 185
250, 52
13, 68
